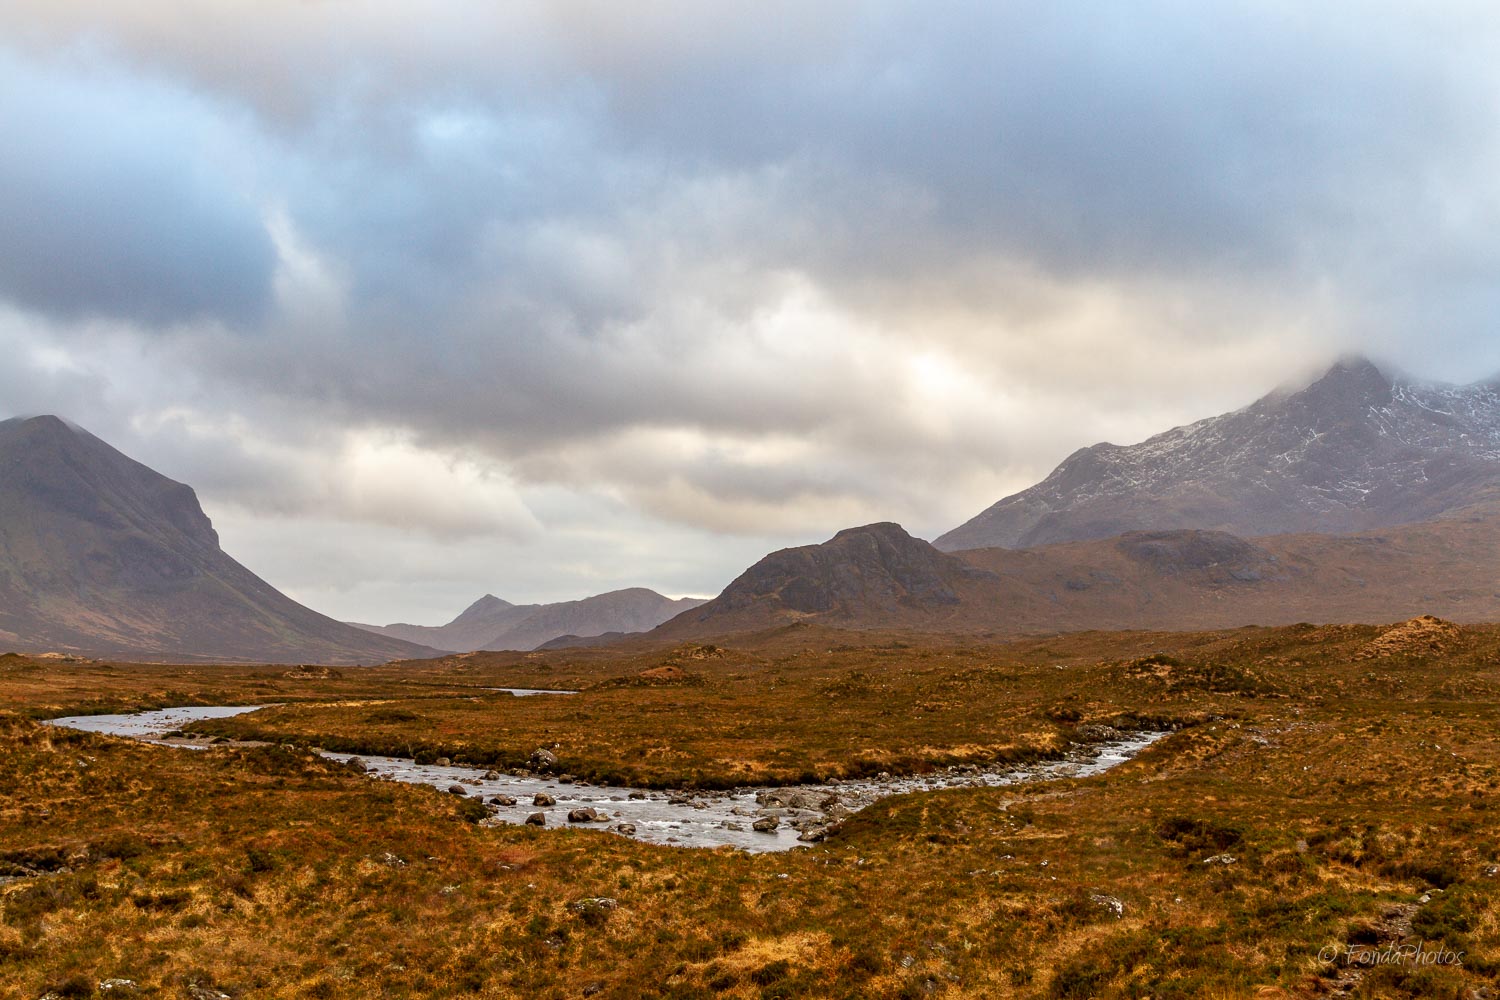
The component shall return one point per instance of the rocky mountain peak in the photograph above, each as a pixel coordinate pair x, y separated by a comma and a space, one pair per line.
1353, 450
484, 608
1343, 392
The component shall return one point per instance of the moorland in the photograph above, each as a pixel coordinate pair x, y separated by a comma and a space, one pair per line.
1324, 800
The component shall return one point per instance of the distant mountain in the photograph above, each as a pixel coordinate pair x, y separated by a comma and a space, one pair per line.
879, 577
1353, 451
480, 622
871, 576
490, 623
101, 555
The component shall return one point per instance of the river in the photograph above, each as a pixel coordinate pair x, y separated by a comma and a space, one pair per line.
685, 819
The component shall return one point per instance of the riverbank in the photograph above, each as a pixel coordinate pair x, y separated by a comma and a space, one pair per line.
748, 818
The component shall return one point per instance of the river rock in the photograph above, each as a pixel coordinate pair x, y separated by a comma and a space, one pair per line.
502, 800
814, 834
492, 775
536, 819
587, 814
457, 790
355, 764
443, 762
543, 799
766, 824
628, 829
565, 779
543, 759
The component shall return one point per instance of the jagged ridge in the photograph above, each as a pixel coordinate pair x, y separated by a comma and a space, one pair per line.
1355, 450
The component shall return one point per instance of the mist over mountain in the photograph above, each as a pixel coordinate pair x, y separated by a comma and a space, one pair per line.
1355, 450
100, 554
492, 623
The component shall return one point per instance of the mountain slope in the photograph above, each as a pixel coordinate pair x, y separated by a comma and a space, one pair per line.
100, 554
1193, 579
491, 623
873, 578
1355, 450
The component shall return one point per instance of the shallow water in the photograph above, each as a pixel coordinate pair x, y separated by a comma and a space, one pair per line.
151, 725
706, 819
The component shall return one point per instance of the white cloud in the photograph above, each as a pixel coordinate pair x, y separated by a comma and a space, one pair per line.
541, 298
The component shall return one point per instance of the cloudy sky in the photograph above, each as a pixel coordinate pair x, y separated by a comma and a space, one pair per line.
548, 299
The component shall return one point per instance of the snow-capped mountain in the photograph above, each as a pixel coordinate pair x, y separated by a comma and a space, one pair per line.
1353, 451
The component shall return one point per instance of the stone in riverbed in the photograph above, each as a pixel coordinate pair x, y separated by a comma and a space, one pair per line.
543, 799
457, 790
814, 834
766, 824
443, 762
585, 815
502, 800
628, 829
543, 759
536, 819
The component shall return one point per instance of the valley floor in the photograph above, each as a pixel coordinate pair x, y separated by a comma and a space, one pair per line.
1321, 824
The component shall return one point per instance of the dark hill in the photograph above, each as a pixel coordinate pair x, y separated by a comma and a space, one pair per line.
99, 554
872, 576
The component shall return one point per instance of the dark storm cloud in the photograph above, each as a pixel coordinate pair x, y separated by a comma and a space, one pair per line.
115, 201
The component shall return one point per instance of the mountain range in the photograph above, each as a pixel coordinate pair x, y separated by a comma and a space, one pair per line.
100, 554
1355, 450
491, 623
1359, 497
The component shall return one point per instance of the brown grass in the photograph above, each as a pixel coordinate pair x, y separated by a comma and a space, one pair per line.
1345, 790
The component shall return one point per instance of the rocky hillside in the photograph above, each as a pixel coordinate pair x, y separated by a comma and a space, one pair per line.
1355, 450
99, 554
491, 623
872, 576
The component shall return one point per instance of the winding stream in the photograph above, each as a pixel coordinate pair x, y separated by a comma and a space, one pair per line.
685, 819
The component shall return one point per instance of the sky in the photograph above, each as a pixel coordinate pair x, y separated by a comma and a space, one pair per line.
547, 299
